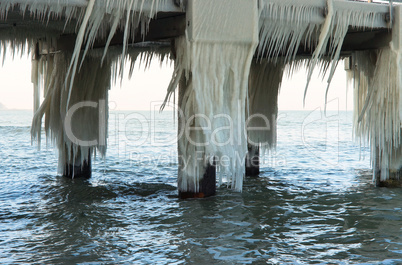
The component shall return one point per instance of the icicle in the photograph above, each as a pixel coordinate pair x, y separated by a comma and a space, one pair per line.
286, 26
111, 34
77, 49
35, 75
92, 19
323, 39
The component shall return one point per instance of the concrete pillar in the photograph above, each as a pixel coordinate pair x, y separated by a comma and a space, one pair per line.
212, 66
253, 161
264, 82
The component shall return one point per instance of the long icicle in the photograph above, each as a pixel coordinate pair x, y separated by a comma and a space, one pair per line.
325, 31
77, 49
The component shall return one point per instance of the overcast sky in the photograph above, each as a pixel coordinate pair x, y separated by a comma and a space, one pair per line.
148, 86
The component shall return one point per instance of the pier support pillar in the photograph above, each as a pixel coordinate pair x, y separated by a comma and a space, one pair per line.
207, 185
387, 165
253, 161
75, 116
264, 82
212, 68
197, 172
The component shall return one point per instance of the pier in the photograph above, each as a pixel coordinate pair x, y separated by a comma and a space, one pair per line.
230, 57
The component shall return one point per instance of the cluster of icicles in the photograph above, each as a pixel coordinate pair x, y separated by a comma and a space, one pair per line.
215, 79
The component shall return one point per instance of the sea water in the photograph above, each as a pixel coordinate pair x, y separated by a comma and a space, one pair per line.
314, 201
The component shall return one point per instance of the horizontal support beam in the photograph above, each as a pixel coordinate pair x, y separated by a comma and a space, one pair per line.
350, 6
171, 23
163, 6
368, 40
356, 41
169, 28
159, 30
15, 20
18, 18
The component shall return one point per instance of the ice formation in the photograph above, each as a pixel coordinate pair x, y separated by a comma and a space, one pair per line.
288, 27
262, 108
377, 83
91, 20
80, 126
88, 131
284, 39
78, 74
216, 94
376, 75
377, 79
213, 75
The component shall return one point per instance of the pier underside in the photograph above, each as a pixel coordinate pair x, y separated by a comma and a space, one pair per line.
170, 23
230, 57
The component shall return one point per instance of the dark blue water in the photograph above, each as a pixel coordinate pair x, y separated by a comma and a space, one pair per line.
313, 203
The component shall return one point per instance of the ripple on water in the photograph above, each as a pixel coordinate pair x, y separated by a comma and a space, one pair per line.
303, 209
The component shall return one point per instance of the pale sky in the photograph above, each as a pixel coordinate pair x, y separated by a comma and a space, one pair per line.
148, 86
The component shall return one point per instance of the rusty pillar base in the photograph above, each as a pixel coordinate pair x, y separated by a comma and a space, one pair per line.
73, 171
394, 181
207, 185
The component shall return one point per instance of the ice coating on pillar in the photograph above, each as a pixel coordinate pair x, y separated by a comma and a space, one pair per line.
377, 79
79, 127
377, 88
214, 59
